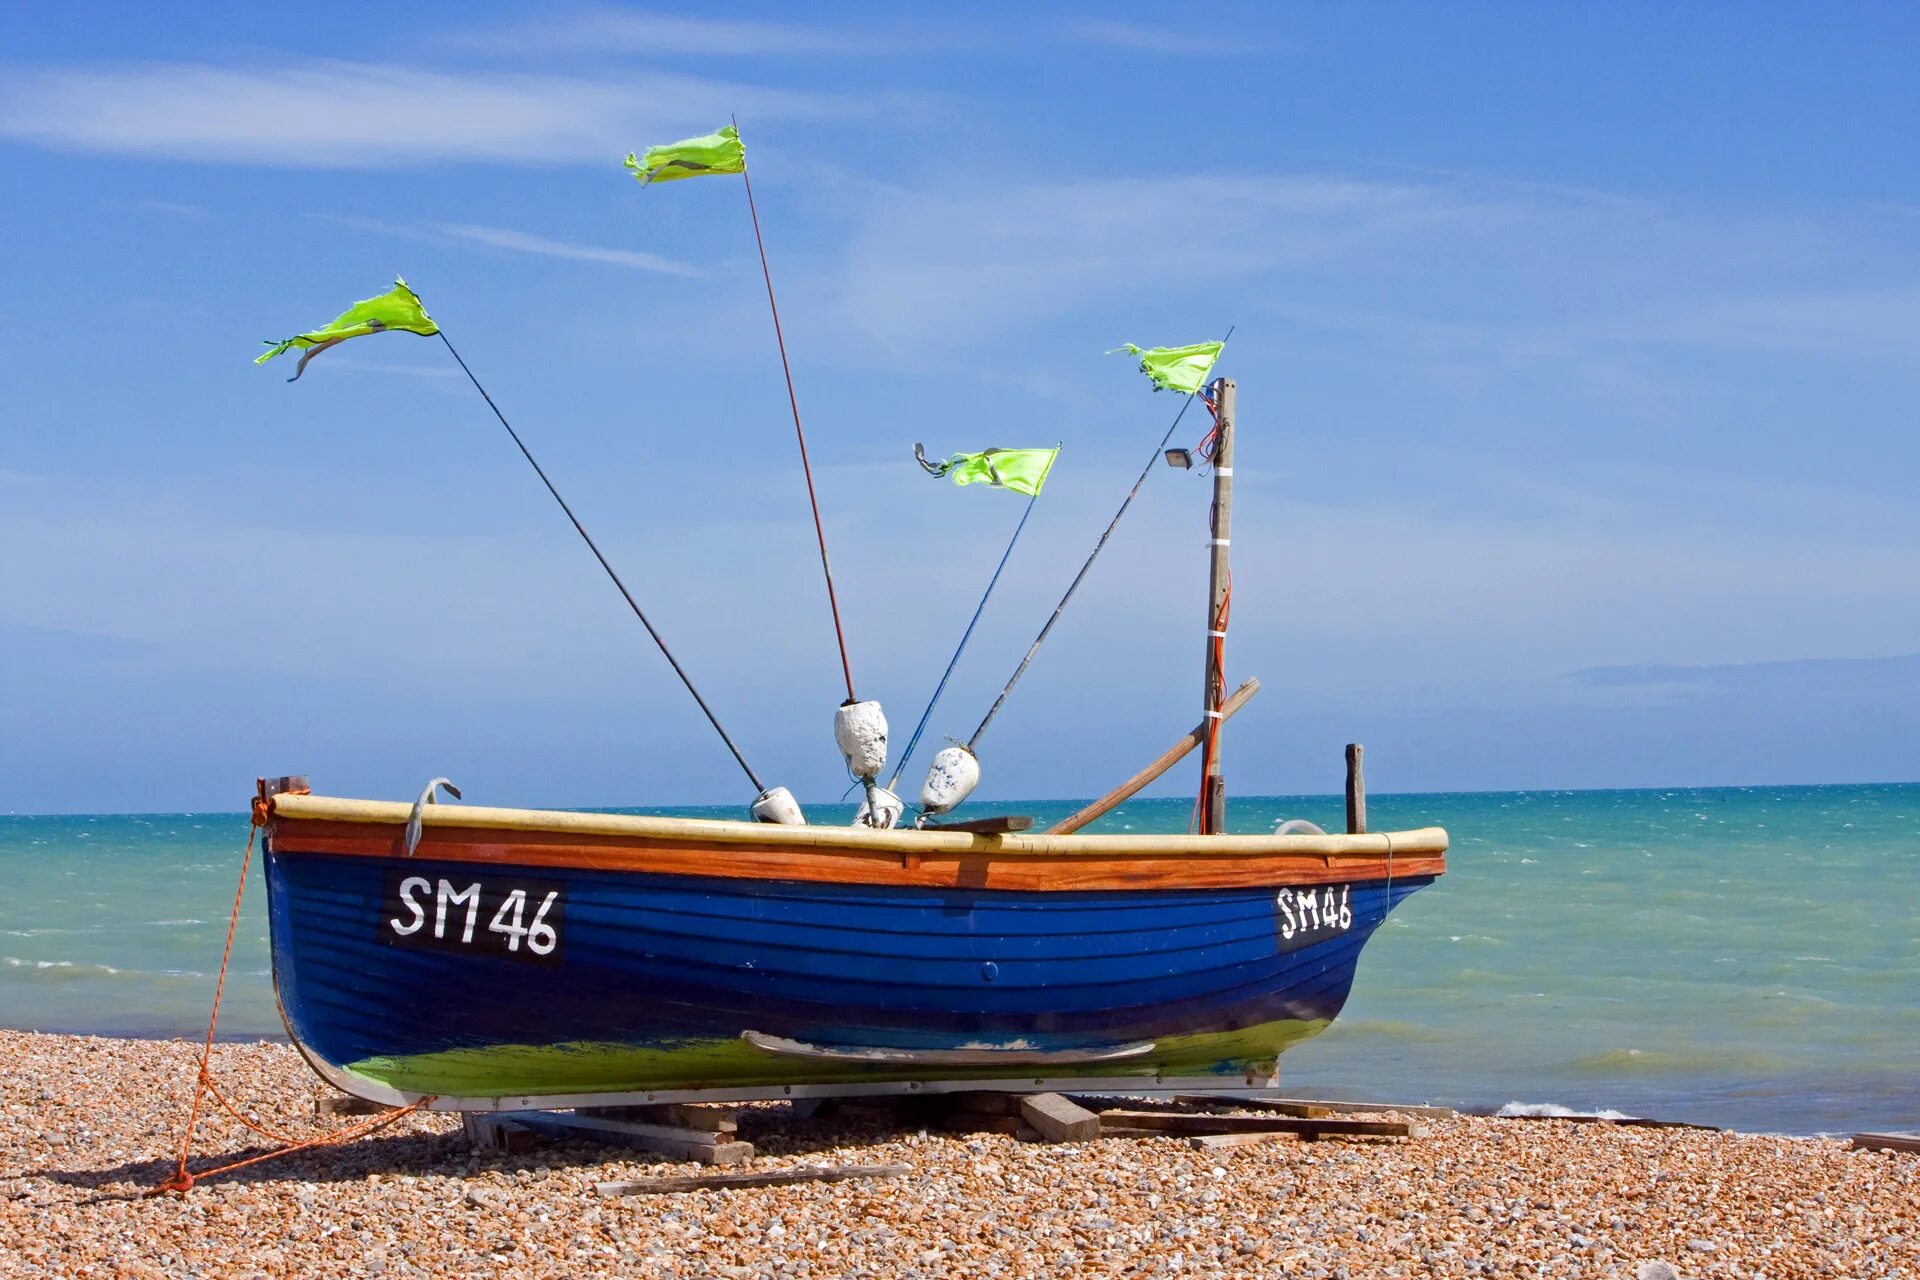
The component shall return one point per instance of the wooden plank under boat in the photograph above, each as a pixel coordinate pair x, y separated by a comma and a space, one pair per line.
534, 958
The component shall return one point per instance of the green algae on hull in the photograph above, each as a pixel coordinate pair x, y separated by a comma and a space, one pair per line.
585, 1067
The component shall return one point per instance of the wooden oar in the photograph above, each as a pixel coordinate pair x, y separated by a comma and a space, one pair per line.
1170, 757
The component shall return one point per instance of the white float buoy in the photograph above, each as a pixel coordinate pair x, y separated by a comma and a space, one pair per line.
951, 778
777, 805
860, 730
884, 813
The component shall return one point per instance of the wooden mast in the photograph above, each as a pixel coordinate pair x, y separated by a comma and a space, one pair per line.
1213, 792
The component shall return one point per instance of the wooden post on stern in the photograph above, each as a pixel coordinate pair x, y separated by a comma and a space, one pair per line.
1356, 790
1213, 818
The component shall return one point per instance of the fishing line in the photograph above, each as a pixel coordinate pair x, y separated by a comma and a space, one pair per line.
591, 546
806, 468
1074, 586
965, 636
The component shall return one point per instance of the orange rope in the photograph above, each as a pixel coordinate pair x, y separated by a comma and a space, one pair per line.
180, 1180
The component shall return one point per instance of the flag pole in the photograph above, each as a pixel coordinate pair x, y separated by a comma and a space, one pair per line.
967, 635
806, 467
973, 743
593, 547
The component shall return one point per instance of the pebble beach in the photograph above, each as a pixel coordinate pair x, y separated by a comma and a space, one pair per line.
89, 1125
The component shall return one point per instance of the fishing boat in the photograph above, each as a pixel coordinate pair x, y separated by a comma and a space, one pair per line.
471, 958
476, 959
526, 958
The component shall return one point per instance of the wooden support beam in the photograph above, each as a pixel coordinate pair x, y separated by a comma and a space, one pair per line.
1308, 1107
1178, 1122
1299, 1110
1059, 1120
497, 1133
759, 1178
1624, 1122
1167, 759
675, 1115
682, 1144
1356, 790
1886, 1142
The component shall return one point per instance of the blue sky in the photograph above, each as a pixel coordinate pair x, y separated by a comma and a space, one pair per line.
1576, 351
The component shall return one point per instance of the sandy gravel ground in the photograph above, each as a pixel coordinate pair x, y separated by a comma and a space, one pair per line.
88, 1124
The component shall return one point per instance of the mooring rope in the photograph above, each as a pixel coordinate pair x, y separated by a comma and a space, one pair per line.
593, 547
994, 710
182, 1181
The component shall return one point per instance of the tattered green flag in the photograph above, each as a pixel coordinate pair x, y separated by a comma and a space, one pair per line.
1176, 368
720, 152
1021, 470
399, 308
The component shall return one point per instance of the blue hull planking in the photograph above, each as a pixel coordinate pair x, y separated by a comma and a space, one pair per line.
652, 961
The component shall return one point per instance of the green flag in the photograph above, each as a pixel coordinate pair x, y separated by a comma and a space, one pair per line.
721, 152
1176, 368
1021, 470
399, 308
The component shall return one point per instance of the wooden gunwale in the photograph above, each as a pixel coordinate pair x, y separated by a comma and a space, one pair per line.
756, 851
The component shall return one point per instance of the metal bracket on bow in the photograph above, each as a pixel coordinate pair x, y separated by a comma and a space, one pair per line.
419, 810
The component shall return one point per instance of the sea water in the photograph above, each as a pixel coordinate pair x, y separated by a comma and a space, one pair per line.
1738, 956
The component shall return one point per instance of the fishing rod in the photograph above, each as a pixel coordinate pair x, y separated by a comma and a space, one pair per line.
980, 608
628, 595
955, 770
859, 728
806, 466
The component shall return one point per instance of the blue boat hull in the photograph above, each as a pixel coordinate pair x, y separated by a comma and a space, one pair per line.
653, 980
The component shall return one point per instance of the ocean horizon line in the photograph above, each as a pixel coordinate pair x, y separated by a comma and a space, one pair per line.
1373, 794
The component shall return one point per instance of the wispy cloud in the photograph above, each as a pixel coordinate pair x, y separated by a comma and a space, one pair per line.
172, 208
1151, 39
356, 114
1870, 322
520, 242
609, 30
514, 241
973, 259
17, 477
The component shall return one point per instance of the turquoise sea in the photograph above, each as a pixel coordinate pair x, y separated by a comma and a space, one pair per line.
1738, 956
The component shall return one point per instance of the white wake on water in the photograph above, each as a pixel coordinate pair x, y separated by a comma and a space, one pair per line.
1555, 1109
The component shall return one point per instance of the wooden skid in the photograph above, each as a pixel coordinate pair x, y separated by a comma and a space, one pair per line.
678, 1115
1288, 1107
1886, 1142
681, 1144
1311, 1107
1625, 1122
760, 1178
497, 1133
1179, 1122
1058, 1120
1132, 1086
